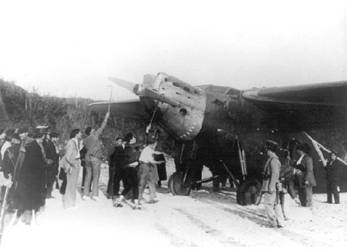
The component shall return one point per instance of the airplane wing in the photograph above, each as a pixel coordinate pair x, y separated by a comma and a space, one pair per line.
322, 94
133, 109
306, 105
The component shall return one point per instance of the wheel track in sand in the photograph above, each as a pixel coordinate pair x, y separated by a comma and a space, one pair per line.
217, 234
174, 240
259, 220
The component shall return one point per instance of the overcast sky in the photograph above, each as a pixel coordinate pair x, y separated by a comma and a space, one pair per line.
69, 48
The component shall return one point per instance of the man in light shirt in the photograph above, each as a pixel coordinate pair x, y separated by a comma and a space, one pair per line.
148, 174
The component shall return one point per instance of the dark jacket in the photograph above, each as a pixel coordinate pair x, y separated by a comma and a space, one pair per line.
31, 183
307, 162
130, 155
51, 154
332, 171
117, 157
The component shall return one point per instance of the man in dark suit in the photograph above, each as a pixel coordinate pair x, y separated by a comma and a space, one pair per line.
52, 157
305, 164
115, 169
129, 173
332, 175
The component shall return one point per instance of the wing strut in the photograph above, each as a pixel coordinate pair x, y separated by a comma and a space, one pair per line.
317, 146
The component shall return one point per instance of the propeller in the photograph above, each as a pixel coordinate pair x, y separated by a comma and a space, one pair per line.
124, 84
144, 90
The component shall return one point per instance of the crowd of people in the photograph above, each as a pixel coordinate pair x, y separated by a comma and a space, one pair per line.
280, 175
33, 163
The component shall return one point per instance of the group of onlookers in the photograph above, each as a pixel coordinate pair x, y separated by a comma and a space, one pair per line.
32, 162
280, 175
28, 167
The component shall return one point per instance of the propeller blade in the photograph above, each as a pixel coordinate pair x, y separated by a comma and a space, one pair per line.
124, 84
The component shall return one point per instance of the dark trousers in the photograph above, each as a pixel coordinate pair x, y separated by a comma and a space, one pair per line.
115, 176
130, 182
332, 189
118, 176
110, 184
63, 177
50, 179
84, 172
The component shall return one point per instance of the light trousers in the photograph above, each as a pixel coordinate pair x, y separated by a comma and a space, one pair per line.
69, 198
272, 209
93, 170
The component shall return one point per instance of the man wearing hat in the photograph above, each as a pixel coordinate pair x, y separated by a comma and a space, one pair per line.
52, 157
271, 179
332, 176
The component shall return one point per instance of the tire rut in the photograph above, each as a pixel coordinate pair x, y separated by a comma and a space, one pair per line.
219, 235
261, 221
174, 240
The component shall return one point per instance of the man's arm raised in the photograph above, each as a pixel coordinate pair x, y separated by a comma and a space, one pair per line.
103, 125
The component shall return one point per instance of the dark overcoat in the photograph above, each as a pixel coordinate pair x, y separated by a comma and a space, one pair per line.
332, 172
31, 181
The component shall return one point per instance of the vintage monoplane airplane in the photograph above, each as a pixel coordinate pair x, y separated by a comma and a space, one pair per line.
224, 128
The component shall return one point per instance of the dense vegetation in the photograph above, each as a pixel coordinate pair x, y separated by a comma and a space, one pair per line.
20, 108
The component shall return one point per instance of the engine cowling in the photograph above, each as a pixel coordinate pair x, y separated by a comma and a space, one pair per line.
182, 106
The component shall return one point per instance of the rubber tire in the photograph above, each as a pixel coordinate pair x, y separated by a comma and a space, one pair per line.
176, 186
248, 192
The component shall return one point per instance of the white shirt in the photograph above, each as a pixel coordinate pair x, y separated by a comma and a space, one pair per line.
300, 159
5, 146
147, 155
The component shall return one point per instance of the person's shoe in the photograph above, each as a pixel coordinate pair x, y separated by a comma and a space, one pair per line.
117, 204
121, 198
137, 204
152, 201
95, 198
85, 198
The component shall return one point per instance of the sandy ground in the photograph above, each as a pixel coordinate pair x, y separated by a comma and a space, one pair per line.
204, 219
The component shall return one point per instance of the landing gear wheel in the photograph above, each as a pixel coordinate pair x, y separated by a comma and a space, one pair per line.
248, 192
176, 185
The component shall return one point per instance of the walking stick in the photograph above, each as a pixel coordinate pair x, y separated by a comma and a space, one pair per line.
2, 213
109, 102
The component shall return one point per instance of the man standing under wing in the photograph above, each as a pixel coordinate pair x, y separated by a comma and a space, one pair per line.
93, 160
271, 178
